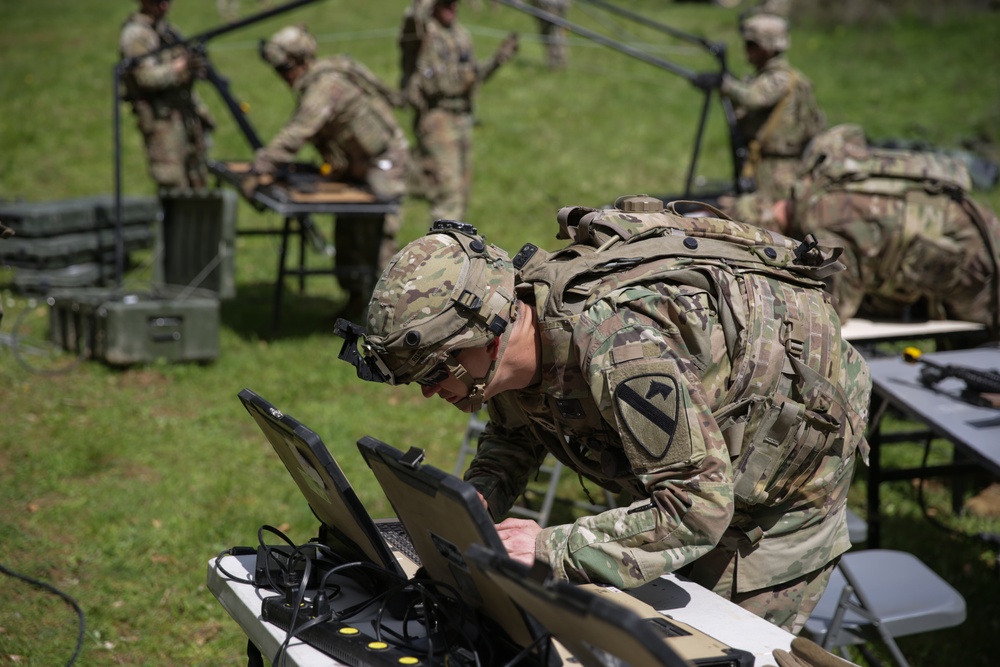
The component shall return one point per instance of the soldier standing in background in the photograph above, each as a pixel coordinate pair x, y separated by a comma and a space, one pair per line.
553, 36
913, 238
345, 111
440, 78
174, 122
704, 377
776, 113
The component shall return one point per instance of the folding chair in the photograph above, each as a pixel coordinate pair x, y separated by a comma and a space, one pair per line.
882, 594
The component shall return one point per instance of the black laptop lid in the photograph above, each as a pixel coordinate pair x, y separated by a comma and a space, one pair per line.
598, 632
323, 484
444, 516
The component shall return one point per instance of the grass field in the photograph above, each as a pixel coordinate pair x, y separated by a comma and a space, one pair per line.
118, 486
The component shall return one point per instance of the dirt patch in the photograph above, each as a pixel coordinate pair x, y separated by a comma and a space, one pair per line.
986, 503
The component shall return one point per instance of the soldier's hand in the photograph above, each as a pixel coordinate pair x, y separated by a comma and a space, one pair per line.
198, 65
707, 80
518, 536
507, 49
179, 65
249, 185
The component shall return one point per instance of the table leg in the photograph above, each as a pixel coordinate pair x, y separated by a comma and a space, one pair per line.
303, 225
254, 658
874, 515
279, 284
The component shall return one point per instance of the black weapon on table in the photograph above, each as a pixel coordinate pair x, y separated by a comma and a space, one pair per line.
982, 387
738, 147
195, 44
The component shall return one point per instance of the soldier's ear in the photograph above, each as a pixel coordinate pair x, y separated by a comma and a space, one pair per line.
493, 349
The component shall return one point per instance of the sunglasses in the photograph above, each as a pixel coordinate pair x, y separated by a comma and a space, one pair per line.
437, 375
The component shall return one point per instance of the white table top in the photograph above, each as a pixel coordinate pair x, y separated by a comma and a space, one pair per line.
675, 596
858, 329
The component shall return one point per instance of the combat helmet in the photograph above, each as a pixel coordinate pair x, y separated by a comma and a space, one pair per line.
446, 291
290, 46
768, 31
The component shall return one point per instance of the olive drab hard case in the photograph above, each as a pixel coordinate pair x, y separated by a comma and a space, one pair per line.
71, 242
124, 327
196, 244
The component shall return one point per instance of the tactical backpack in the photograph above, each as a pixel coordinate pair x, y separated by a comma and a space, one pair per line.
365, 79
774, 440
842, 160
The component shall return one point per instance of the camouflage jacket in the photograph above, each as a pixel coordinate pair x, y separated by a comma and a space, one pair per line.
757, 97
353, 128
691, 372
446, 74
152, 83
908, 227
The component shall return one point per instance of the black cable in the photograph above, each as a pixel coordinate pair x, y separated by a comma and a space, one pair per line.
69, 600
235, 551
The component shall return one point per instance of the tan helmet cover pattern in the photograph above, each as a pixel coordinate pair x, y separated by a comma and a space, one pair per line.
439, 294
292, 45
768, 31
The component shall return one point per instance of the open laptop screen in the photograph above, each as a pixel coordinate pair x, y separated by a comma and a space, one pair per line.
348, 525
444, 516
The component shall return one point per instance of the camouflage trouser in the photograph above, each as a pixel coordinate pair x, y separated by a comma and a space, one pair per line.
786, 605
444, 158
774, 177
364, 244
175, 150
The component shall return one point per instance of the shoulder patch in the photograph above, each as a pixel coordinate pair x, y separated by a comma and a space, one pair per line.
649, 407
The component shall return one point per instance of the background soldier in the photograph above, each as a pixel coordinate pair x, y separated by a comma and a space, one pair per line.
440, 80
776, 112
173, 120
915, 243
672, 391
553, 36
346, 113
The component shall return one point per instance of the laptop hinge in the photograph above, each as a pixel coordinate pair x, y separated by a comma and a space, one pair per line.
412, 458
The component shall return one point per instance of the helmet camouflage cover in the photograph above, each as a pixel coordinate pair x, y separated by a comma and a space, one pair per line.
767, 31
288, 47
445, 291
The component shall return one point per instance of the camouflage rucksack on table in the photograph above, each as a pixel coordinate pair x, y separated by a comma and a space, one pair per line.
842, 160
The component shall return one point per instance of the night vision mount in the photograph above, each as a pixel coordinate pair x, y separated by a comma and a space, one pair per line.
368, 367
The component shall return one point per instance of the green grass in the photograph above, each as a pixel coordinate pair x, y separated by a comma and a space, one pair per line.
118, 486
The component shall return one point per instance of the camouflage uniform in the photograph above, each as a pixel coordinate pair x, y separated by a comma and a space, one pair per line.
698, 368
441, 89
775, 108
173, 120
553, 36
356, 133
909, 229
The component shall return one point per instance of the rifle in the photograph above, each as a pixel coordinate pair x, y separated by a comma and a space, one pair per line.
982, 387
738, 147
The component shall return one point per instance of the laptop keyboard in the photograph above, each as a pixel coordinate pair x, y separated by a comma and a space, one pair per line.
398, 539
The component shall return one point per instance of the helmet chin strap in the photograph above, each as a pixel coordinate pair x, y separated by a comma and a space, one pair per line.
473, 401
